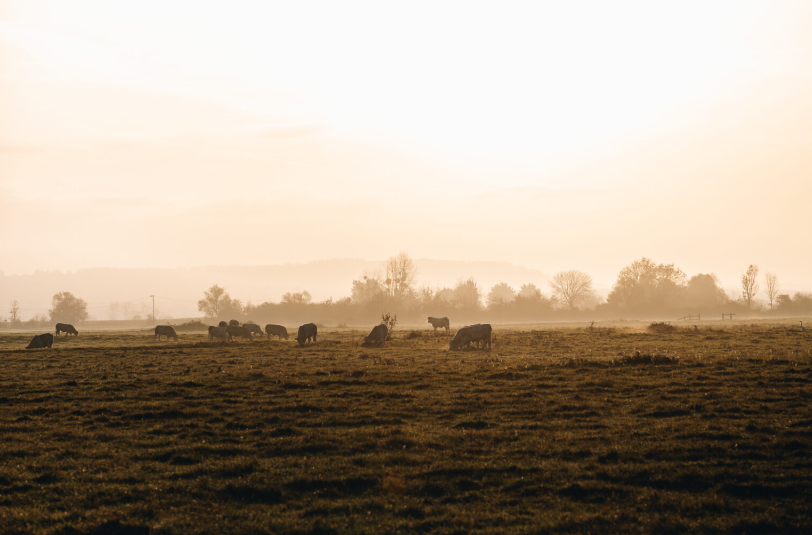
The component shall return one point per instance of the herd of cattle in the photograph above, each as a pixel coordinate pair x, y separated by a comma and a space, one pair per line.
479, 335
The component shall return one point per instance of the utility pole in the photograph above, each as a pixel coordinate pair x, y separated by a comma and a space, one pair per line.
153, 307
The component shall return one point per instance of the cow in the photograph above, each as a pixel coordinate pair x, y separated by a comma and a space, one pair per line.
307, 332
234, 323
440, 323
235, 331
472, 333
165, 330
254, 328
41, 341
377, 335
222, 324
218, 332
66, 328
276, 330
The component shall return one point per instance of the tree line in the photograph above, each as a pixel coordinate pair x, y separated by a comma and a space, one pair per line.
642, 289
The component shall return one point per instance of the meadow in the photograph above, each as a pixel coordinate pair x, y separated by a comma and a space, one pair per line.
606, 428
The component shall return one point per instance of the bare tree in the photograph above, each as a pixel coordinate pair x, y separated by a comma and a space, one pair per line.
297, 298
217, 303
772, 287
401, 273
14, 313
572, 287
750, 285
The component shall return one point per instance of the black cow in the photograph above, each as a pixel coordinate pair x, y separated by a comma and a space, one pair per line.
234, 323
235, 331
276, 330
307, 332
41, 341
377, 336
165, 330
223, 324
66, 328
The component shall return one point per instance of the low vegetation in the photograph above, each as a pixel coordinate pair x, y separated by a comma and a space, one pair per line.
567, 430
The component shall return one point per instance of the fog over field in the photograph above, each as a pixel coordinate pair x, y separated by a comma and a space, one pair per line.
549, 137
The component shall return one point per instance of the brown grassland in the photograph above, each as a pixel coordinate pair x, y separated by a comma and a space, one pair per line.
556, 430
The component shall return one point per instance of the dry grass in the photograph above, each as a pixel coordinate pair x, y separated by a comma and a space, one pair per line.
560, 431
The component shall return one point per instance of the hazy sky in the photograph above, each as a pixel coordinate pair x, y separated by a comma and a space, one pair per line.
554, 135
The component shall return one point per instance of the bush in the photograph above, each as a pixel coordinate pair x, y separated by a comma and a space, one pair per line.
661, 327
192, 325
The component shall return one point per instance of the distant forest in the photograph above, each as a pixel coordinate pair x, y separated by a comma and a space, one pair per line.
643, 289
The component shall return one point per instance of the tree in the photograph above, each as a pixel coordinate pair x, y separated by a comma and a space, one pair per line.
218, 304
466, 294
213, 302
703, 291
400, 276
66, 307
501, 294
750, 285
644, 284
297, 298
772, 287
572, 288
14, 313
530, 291
367, 289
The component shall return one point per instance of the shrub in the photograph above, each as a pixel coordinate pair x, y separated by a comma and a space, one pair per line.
192, 325
661, 327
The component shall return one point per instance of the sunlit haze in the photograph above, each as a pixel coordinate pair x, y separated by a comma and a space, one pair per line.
551, 135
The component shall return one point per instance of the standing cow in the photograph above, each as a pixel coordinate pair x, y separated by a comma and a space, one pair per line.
440, 323
41, 341
254, 328
165, 330
377, 336
235, 331
307, 332
218, 332
479, 333
234, 323
276, 330
222, 324
66, 328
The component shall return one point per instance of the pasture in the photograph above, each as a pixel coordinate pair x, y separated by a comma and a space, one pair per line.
556, 430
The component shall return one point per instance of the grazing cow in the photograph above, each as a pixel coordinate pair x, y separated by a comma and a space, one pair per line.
307, 332
66, 328
254, 328
165, 330
234, 323
223, 324
235, 331
473, 333
276, 330
218, 332
440, 323
377, 335
41, 341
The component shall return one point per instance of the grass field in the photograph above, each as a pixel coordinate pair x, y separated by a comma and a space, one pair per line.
565, 430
